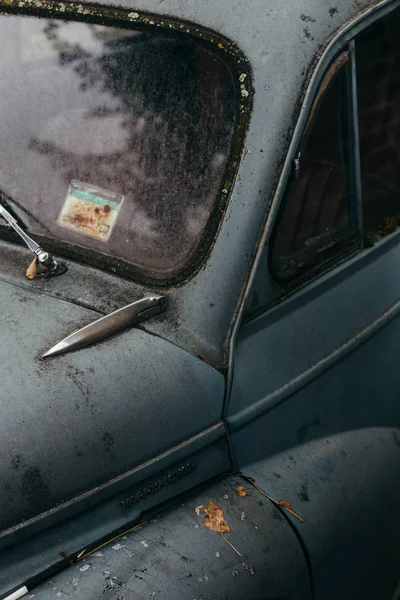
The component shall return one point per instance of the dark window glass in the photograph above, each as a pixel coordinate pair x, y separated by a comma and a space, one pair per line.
312, 227
112, 140
378, 83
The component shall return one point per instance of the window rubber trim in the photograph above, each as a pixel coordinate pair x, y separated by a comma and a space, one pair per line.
341, 40
348, 238
356, 198
334, 45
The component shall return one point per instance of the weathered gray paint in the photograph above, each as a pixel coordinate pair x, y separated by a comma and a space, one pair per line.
315, 384
281, 41
332, 449
174, 557
320, 323
73, 422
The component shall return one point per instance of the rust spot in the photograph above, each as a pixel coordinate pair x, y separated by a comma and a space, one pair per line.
81, 219
97, 210
107, 208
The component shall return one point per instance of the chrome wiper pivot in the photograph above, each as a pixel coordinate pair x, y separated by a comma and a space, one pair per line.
49, 266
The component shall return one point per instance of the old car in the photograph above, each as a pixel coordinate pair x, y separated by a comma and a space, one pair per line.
199, 267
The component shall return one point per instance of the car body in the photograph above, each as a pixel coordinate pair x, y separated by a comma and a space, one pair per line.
288, 380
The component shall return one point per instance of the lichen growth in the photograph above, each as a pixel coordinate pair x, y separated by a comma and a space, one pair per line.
387, 226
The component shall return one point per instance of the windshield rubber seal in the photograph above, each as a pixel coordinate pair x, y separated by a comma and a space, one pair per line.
240, 68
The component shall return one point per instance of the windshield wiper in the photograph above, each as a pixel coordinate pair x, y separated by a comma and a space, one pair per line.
49, 266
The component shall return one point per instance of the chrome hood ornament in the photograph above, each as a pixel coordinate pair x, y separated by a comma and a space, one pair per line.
117, 321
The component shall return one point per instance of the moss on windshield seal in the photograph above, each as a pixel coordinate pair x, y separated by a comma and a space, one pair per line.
242, 77
387, 226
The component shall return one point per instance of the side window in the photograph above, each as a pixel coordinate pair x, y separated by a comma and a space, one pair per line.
378, 85
315, 224
344, 189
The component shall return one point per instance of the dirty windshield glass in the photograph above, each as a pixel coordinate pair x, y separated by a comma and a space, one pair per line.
112, 140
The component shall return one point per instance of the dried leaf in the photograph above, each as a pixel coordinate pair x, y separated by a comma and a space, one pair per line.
241, 490
31, 271
214, 518
285, 505
197, 510
289, 508
203, 358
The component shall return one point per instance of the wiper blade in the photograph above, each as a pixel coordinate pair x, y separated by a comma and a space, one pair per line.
50, 266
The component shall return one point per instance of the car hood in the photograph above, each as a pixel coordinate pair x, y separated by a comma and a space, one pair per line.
72, 422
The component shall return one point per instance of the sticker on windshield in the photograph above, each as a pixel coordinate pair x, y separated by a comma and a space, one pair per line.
90, 210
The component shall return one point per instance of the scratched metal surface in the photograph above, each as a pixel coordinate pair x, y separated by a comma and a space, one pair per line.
175, 557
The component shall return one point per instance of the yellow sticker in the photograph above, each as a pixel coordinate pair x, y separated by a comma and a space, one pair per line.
90, 210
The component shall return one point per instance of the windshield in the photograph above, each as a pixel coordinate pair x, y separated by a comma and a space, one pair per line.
113, 140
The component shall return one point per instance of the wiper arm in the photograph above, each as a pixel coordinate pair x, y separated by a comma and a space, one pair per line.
49, 265
5, 202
